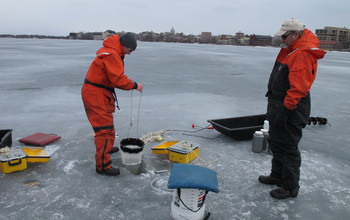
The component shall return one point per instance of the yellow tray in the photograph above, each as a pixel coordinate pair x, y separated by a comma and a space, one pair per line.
183, 152
163, 148
36, 155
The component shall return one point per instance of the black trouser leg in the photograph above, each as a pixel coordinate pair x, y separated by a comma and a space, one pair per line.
286, 159
277, 164
286, 162
291, 169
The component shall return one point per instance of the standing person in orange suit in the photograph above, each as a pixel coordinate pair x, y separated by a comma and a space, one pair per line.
106, 73
289, 105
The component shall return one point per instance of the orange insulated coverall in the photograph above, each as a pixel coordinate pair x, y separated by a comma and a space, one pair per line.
106, 72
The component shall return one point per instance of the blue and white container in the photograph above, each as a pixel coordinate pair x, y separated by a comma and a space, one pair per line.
188, 204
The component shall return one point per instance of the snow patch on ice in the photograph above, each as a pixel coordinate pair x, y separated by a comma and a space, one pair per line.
50, 149
69, 166
160, 185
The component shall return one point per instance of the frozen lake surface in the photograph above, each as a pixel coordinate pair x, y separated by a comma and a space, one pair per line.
184, 84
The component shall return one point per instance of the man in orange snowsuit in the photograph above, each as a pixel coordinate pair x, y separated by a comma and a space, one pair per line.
289, 105
106, 73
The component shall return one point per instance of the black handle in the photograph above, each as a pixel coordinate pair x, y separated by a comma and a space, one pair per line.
16, 163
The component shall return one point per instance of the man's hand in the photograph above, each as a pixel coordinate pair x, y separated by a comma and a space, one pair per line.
139, 87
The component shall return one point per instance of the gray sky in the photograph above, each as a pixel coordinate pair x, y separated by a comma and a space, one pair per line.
60, 17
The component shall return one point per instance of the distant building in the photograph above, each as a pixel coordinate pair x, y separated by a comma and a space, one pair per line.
333, 34
151, 36
73, 35
206, 37
260, 40
97, 35
333, 37
239, 35
225, 39
244, 41
172, 31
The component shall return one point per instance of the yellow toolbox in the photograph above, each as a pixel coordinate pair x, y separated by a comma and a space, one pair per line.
163, 148
36, 155
12, 159
183, 152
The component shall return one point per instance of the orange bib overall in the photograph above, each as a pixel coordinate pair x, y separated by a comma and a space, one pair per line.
106, 72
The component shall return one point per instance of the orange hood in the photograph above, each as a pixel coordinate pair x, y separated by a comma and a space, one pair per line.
309, 42
111, 45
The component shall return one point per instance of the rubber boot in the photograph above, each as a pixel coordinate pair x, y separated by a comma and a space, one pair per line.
281, 193
114, 150
269, 180
113, 171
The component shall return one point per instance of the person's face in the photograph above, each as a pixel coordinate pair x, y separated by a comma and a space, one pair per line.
127, 50
289, 38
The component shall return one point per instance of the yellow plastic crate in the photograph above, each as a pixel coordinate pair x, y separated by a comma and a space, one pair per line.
13, 160
183, 152
36, 155
163, 148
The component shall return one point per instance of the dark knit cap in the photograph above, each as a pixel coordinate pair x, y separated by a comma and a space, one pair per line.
128, 40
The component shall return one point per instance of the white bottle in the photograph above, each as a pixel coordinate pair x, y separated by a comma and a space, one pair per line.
266, 125
258, 142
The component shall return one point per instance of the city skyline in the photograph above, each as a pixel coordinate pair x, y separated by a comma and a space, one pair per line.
59, 17
170, 30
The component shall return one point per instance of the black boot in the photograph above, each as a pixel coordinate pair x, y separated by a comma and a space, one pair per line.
269, 180
281, 193
113, 171
114, 150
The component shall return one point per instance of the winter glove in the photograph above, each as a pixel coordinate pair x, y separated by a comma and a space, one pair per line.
282, 118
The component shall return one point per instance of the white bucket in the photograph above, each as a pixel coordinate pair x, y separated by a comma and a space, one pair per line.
131, 151
189, 206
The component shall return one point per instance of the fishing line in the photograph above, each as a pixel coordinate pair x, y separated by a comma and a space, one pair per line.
138, 114
130, 125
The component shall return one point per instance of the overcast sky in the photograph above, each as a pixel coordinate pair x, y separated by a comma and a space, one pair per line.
60, 17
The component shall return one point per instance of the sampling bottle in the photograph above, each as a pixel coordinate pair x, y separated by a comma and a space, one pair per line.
258, 142
266, 125
265, 131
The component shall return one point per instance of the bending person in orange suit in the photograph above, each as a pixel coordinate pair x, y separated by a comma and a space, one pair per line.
106, 73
